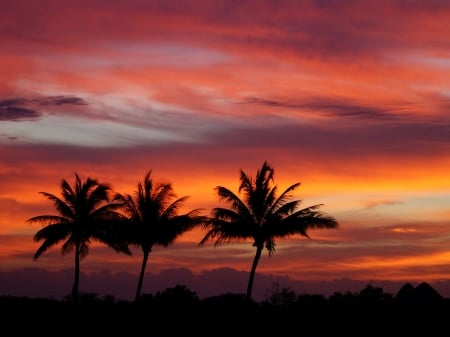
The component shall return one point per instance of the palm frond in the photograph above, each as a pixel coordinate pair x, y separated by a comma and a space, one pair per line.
237, 204
286, 208
229, 228
270, 245
63, 208
285, 196
48, 219
172, 209
68, 194
47, 244
50, 235
302, 221
55, 231
98, 196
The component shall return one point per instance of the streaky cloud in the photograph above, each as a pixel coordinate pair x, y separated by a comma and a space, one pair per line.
61, 100
15, 113
330, 108
20, 109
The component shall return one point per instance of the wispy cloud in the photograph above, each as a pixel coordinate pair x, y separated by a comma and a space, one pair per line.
17, 109
14, 113
331, 107
377, 203
60, 100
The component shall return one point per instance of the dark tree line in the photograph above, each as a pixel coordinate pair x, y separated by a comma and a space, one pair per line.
90, 211
178, 310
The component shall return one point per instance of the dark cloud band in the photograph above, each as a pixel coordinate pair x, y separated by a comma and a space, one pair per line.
16, 109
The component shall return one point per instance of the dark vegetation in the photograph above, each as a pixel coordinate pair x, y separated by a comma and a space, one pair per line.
87, 212
419, 311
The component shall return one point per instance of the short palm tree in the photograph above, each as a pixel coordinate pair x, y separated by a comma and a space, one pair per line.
85, 214
153, 218
261, 216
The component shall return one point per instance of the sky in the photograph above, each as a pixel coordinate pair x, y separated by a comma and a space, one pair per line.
349, 98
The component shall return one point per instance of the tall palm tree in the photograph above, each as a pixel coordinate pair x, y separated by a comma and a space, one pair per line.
153, 218
85, 213
261, 216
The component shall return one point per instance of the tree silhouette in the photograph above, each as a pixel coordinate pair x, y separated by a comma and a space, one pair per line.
85, 214
153, 218
261, 216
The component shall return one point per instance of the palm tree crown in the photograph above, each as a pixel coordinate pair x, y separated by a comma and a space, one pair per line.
153, 218
261, 216
84, 214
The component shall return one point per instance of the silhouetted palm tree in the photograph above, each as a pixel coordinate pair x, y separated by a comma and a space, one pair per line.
261, 216
153, 218
85, 214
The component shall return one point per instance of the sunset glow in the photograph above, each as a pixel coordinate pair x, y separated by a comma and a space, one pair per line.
349, 98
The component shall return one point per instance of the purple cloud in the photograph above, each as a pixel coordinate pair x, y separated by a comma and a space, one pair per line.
18, 109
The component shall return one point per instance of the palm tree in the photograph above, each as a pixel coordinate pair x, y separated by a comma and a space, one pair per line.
85, 214
261, 216
153, 218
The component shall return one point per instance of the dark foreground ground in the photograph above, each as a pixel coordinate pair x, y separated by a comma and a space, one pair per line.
177, 311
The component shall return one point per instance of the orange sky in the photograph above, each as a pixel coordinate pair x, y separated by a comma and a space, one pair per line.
349, 98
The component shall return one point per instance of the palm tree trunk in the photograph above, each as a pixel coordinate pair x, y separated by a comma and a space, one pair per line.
141, 276
77, 274
253, 271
